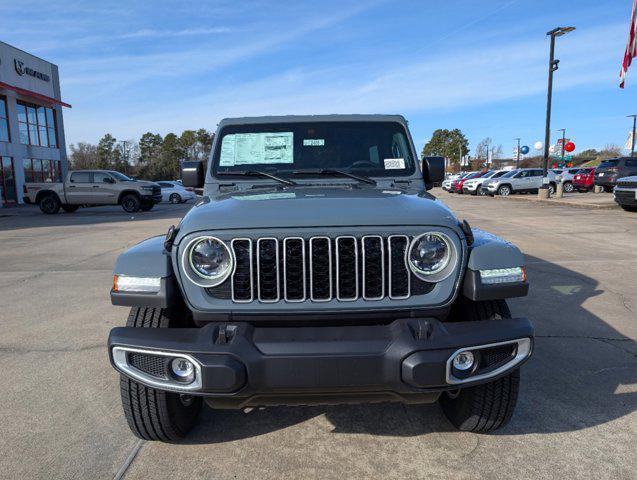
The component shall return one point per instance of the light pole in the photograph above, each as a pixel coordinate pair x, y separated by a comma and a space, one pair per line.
517, 162
556, 32
632, 146
563, 130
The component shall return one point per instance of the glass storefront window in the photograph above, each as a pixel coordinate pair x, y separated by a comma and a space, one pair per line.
4, 120
36, 125
37, 170
7, 180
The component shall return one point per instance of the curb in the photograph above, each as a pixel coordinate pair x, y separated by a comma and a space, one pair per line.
558, 202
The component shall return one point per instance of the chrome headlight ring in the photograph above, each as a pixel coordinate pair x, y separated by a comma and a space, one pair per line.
448, 265
197, 277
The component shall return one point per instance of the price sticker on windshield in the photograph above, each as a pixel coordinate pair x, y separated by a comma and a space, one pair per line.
313, 142
394, 163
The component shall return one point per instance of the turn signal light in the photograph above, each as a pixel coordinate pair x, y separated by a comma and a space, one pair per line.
123, 283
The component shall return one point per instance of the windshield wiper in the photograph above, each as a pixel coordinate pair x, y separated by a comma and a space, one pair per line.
330, 171
257, 173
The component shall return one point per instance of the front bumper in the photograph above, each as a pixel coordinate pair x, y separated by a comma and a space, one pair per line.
625, 196
239, 365
152, 198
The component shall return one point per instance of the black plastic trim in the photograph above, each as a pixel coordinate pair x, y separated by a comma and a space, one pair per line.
474, 289
397, 360
167, 296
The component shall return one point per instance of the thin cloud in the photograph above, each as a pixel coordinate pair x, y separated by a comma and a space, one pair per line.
187, 32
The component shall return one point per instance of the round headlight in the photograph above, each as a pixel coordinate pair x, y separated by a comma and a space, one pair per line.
210, 259
429, 254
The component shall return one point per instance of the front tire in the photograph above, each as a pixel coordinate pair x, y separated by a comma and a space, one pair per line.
487, 407
504, 191
49, 204
568, 187
155, 414
131, 203
629, 208
175, 198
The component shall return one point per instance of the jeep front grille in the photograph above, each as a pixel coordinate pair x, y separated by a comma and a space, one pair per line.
320, 269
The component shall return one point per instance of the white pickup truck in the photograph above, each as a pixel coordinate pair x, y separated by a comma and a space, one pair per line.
85, 188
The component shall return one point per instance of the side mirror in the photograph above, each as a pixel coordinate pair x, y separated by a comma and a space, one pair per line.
192, 174
433, 171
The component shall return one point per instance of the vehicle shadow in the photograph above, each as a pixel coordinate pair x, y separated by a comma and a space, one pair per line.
31, 217
574, 380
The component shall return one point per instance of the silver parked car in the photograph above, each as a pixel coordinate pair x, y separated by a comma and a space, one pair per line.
523, 180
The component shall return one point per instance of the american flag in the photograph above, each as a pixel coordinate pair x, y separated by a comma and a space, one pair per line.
631, 46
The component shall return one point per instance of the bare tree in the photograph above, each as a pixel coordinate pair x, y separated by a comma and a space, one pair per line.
83, 156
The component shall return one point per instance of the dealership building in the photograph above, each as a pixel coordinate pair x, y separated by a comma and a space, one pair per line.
32, 146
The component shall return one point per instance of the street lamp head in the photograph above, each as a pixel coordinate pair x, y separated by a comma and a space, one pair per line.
559, 31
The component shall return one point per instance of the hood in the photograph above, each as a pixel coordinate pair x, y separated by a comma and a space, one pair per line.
316, 207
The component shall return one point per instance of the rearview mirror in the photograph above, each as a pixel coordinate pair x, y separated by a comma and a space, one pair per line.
192, 174
433, 171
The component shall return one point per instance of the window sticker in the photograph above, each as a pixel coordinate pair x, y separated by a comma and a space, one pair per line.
256, 148
394, 163
313, 142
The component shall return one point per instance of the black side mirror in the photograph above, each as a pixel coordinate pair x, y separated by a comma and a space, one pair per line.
192, 174
433, 171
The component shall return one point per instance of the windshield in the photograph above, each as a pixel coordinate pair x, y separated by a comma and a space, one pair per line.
121, 177
510, 174
379, 149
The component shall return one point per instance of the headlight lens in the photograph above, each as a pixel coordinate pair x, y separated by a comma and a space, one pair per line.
429, 254
211, 259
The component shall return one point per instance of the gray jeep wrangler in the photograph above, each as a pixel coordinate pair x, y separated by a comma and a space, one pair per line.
317, 270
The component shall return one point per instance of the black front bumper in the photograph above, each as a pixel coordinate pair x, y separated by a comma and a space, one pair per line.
241, 365
626, 197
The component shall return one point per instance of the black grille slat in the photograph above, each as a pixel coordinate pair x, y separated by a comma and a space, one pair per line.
321, 269
154, 365
294, 269
399, 278
373, 270
268, 269
346, 268
242, 278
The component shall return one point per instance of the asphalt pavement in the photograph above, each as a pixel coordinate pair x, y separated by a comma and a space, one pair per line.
576, 415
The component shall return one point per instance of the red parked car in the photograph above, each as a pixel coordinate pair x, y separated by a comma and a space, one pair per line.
584, 180
456, 185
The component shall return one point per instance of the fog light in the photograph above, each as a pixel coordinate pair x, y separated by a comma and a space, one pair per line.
183, 369
463, 361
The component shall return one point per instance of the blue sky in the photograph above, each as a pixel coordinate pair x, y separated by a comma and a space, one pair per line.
130, 67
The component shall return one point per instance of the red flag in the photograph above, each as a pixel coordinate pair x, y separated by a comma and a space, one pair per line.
631, 46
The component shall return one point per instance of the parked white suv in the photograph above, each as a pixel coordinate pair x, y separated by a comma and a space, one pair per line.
523, 180
473, 186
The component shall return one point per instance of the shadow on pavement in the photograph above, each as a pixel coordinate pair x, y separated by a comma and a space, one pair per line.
31, 217
582, 374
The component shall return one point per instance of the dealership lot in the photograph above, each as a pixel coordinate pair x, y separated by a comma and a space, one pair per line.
576, 417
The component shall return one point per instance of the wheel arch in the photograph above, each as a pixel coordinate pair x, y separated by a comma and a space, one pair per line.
123, 193
42, 193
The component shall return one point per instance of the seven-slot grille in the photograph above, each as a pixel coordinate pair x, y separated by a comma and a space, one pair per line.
320, 269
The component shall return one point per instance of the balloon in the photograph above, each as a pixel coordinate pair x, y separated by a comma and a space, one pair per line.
569, 147
552, 149
538, 145
524, 150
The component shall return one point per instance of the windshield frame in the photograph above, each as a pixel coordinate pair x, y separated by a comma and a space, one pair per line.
118, 176
412, 162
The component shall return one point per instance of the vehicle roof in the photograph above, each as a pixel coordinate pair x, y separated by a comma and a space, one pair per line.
313, 118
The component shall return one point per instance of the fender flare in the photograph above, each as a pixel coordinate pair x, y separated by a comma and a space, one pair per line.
147, 259
43, 193
492, 252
